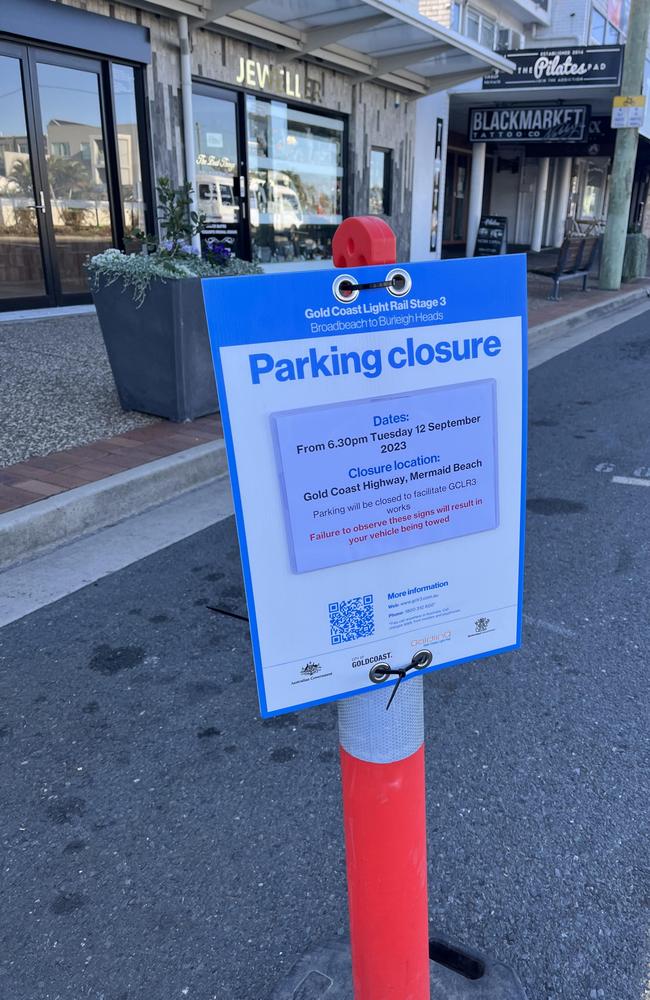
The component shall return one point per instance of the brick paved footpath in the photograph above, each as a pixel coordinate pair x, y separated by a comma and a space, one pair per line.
41, 477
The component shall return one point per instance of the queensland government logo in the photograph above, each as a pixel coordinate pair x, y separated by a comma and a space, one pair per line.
310, 669
481, 626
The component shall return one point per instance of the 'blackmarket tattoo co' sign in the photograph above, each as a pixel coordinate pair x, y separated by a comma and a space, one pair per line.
529, 123
583, 66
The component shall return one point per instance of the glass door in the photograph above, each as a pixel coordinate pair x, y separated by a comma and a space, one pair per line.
22, 266
65, 192
592, 191
71, 141
220, 170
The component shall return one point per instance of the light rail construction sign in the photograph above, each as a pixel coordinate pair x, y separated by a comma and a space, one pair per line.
375, 432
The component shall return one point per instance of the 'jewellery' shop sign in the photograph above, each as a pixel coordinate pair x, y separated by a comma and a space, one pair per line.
584, 66
523, 123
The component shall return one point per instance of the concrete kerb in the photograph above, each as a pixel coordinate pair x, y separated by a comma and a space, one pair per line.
564, 324
30, 530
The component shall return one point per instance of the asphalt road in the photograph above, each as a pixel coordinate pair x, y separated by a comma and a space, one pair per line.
161, 842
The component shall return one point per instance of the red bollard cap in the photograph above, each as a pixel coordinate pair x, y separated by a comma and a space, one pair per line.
363, 239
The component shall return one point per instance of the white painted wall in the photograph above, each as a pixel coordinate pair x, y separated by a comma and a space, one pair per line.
427, 109
569, 24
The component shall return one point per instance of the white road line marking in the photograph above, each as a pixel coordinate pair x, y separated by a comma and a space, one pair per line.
629, 481
549, 626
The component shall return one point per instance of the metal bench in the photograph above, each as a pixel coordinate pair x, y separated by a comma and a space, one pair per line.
575, 259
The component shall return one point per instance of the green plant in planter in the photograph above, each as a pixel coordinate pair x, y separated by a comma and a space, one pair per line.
171, 258
176, 219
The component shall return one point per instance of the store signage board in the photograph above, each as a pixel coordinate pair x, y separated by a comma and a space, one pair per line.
376, 451
529, 123
579, 66
272, 78
599, 141
628, 112
492, 236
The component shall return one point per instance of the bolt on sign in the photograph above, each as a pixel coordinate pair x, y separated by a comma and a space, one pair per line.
576, 66
273, 78
375, 429
529, 123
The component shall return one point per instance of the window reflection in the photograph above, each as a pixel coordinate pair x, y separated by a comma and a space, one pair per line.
592, 202
128, 148
77, 185
21, 265
380, 180
295, 181
217, 167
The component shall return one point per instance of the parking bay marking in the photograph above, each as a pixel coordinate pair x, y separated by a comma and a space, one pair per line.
630, 481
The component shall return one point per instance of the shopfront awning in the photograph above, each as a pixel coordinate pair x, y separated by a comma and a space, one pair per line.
381, 40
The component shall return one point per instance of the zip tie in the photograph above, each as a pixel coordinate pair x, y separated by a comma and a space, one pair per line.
382, 671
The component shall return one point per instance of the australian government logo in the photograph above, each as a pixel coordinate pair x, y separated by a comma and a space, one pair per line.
311, 671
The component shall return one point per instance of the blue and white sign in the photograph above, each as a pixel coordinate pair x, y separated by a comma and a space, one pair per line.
377, 454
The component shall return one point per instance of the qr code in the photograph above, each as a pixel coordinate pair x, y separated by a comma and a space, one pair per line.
352, 619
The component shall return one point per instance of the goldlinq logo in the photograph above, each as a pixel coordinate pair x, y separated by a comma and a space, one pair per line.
310, 669
367, 660
428, 639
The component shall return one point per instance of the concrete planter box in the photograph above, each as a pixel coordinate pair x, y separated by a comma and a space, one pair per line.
160, 352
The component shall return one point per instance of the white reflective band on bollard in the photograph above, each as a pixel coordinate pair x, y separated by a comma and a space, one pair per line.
369, 732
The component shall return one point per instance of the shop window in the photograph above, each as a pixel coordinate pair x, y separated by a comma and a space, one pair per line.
380, 182
598, 22
602, 31
594, 182
128, 148
473, 24
295, 162
480, 27
488, 30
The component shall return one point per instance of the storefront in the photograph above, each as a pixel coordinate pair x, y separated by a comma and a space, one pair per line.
270, 175
73, 177
284, 115
538, 148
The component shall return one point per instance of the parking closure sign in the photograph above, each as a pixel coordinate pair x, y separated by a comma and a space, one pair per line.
376, 444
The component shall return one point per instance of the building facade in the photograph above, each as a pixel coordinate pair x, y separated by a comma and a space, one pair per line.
284, 116
534, 148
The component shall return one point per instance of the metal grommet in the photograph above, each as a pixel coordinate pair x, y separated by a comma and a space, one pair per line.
399, 282
344, 288
379, 673
423, 658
